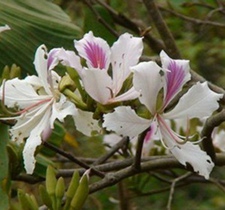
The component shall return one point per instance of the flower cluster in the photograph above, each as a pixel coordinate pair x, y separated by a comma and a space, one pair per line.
109, 76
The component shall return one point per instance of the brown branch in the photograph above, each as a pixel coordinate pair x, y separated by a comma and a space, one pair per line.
100, 19
207, 130
73, 159
112, 151
162, 28
137, 160
155, 44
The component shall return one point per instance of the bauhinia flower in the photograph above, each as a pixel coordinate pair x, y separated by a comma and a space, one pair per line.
106, 68
39, 104
198, 102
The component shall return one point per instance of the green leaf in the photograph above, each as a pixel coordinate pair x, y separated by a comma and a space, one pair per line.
4, 175
32, 23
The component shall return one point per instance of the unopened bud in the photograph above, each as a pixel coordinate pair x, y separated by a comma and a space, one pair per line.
6, 73
15, 71
45, 197
81, 193
60, 188
67, 83
50, 180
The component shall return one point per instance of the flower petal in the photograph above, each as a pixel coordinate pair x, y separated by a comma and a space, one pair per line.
4, 28
33, 141
111, 139
68, 58
61, 109
41, 66
198, 102
21, 94
126, 52
175, 78
94, 50
148, 81
187, 152
192, 154
98, 85
85, 123
129, 95
124, 121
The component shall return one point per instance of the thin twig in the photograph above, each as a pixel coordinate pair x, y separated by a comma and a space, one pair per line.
162, 28
100, 19
193, 20
155, 44
73, 159
112, 151
172, 188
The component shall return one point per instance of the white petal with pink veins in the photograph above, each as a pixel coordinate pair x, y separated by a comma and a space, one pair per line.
176, 76
94, 50
198, 102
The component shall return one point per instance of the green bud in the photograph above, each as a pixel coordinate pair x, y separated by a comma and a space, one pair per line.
26, 202
45, 196
50, 180
60, 188
15, 71
67, 83
72, 189
6, 73
81, 193
59, 192
32, 201
72, 72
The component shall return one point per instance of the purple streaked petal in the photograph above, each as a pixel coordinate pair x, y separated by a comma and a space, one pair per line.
69, 58
52, 58
176, 76
94, 50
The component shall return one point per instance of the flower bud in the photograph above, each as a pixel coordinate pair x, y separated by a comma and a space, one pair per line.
60, 188
15, 71
81, 193
66, 83
45, 196
50, 180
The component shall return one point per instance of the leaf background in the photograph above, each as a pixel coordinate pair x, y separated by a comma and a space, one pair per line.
31, 22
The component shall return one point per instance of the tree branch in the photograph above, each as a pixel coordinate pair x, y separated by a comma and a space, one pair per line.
207, 130
162, 28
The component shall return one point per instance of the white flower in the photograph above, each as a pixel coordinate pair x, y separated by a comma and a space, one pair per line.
106, 68
40, 104
198, 102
